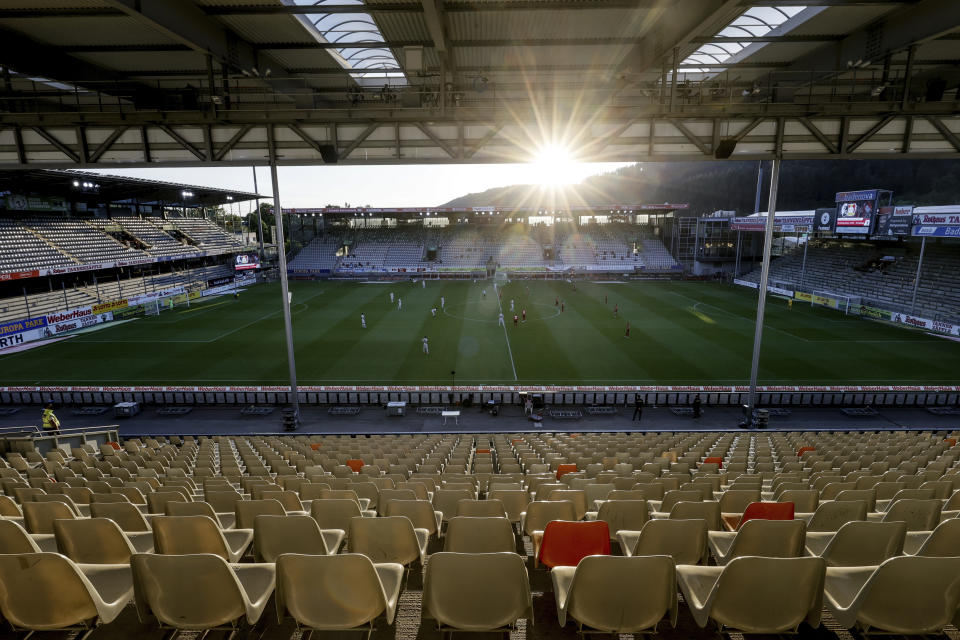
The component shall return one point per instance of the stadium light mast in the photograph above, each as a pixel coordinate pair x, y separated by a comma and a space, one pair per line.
284, 288
764, 273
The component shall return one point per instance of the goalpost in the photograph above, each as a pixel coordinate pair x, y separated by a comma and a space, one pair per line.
500, 278
848, 305
151, 308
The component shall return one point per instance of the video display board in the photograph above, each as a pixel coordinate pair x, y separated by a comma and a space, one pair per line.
244, 261
856, 212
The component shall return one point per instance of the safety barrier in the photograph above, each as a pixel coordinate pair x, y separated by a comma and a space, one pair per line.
881, 396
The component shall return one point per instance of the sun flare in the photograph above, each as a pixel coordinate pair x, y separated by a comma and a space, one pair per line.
555, 165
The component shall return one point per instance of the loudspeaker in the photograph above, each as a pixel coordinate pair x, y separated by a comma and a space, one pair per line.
725, 149
329, 154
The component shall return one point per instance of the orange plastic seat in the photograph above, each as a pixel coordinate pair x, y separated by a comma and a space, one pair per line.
565, 543
115, 445
356, 465
483, 450
767, 511
951, 441
714, 460
564, 469
803, 450
315, 446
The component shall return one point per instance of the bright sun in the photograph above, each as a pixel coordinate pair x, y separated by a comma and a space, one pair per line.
554, 165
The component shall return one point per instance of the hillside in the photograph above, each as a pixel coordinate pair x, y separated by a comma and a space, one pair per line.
708, 186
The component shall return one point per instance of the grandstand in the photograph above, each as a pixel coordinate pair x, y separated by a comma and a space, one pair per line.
882, 276
653, 448
600, 531
471, 248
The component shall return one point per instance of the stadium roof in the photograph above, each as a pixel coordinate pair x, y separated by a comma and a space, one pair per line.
70, 184
195, 82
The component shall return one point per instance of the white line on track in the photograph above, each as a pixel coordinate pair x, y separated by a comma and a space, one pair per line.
505, 335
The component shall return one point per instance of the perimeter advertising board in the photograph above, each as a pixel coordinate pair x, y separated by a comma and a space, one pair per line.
894, 221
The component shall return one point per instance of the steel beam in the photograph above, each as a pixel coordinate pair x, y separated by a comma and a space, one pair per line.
869, 133
915, 23
61, 147
188, 24
822, 139
687, 20
31, 58
178, 131
359, 139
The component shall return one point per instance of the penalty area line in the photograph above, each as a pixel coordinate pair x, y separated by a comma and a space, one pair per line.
506, 335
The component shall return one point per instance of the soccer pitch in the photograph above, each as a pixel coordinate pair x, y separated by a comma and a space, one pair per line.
681, 333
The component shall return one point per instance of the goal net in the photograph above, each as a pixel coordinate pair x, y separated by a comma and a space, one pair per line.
500, 278
837, 301
151, 308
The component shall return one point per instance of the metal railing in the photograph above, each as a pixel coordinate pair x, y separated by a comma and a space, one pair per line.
33, 438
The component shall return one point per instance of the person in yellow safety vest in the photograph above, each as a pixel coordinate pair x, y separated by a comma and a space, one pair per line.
50, 421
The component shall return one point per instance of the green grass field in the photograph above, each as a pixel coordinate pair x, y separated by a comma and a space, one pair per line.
681, 333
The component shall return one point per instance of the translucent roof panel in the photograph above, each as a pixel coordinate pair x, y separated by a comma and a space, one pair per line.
752, 23
374, 64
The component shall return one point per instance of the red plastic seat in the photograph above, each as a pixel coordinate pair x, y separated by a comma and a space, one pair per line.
767, 511
356, 465
714, 460
951, 441
564, 469
483, 450
115, 445
803, 450
565, 543
315, 446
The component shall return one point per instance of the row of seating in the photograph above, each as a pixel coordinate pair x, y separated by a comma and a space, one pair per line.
392, 498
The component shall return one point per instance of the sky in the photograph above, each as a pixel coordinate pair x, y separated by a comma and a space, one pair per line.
378, 186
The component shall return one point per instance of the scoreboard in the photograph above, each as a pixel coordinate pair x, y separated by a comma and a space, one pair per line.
857, 210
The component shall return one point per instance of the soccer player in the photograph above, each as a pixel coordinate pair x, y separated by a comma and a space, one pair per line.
790, 304
604, 298
426, 346
562, 305
443, 303
627, 334
289, 298
434, 312
484, 293
511, 305
363, 321
500, 320
423, 281
524, 312
556, 302
391, 297
616, 309
399, 303
516, 320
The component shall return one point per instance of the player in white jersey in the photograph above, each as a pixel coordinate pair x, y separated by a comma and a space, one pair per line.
500, 321
484, 293
511, 305
434, 312
426, 346
423, 281
363, 321
399, 304
391, 297
443, 303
